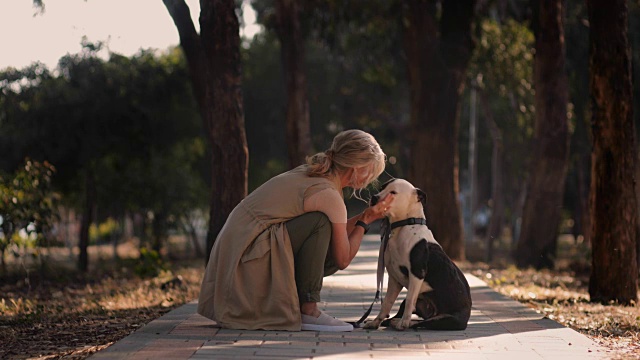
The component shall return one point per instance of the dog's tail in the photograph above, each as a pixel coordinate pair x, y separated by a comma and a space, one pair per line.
442, 322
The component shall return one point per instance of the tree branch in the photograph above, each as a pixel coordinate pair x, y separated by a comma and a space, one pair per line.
189, 38
191, 45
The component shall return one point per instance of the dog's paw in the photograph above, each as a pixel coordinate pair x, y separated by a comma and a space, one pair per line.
400, 324
373, 324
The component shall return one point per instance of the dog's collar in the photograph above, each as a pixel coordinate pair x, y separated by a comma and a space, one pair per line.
409, 221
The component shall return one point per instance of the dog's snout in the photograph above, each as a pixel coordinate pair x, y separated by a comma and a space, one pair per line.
374, 200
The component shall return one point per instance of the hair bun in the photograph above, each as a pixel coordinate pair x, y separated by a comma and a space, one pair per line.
329, 155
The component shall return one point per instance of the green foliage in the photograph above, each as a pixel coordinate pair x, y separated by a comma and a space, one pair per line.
149, 264
130, 122
133, 123
503, 66
354, 63
502, 69
105, 230
28, 206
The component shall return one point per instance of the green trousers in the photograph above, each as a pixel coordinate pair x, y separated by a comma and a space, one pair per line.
310, 234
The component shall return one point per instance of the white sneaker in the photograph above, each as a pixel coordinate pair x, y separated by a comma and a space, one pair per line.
324, 323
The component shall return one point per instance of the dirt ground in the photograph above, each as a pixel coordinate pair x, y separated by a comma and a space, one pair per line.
563, 297
58, 313
561, 294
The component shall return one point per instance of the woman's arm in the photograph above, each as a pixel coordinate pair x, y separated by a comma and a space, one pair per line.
346, 238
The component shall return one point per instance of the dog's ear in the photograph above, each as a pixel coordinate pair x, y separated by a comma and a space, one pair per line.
422, 197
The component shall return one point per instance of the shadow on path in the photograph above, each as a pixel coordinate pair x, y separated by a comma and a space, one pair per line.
498, 328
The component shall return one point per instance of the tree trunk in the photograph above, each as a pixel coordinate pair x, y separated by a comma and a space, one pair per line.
158, 226
545, 189
582, 152
213, 57
292, 51
3, 261
494, 229
190, 230
582, 219
87, 217
614, 211
194, 239
580, 161
438, 52
116, 238
637, 188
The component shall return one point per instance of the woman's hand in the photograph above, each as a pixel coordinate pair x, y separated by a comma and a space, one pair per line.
345, 240
378, 211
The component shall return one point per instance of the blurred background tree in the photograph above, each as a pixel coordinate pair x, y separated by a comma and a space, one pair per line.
213, 59
124, 134
458, 119
501, 71
27, 210
541, 214
613, 201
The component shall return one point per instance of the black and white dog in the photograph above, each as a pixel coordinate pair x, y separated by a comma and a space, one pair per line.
437, 290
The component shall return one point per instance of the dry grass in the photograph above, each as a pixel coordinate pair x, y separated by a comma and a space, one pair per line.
71, 316
562, 295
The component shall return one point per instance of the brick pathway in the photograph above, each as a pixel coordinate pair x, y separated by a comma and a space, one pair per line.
499, 328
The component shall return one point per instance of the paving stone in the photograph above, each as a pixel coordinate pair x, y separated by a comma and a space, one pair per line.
358, 345
499, 328
284, 353
111, 356
393, 354
221, 347
330, 345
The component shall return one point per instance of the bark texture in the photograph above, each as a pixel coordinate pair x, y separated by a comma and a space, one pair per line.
213, 57
614, 211
548, 167
438, 49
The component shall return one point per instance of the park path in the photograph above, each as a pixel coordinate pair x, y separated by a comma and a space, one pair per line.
499, 328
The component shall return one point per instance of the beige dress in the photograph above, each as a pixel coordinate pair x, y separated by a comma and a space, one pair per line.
249, 281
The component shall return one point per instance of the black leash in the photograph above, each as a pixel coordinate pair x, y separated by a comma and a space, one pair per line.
385, 233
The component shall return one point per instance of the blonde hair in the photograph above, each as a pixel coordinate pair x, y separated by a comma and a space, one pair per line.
350, 149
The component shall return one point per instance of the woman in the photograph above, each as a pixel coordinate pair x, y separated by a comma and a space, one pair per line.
266, 267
